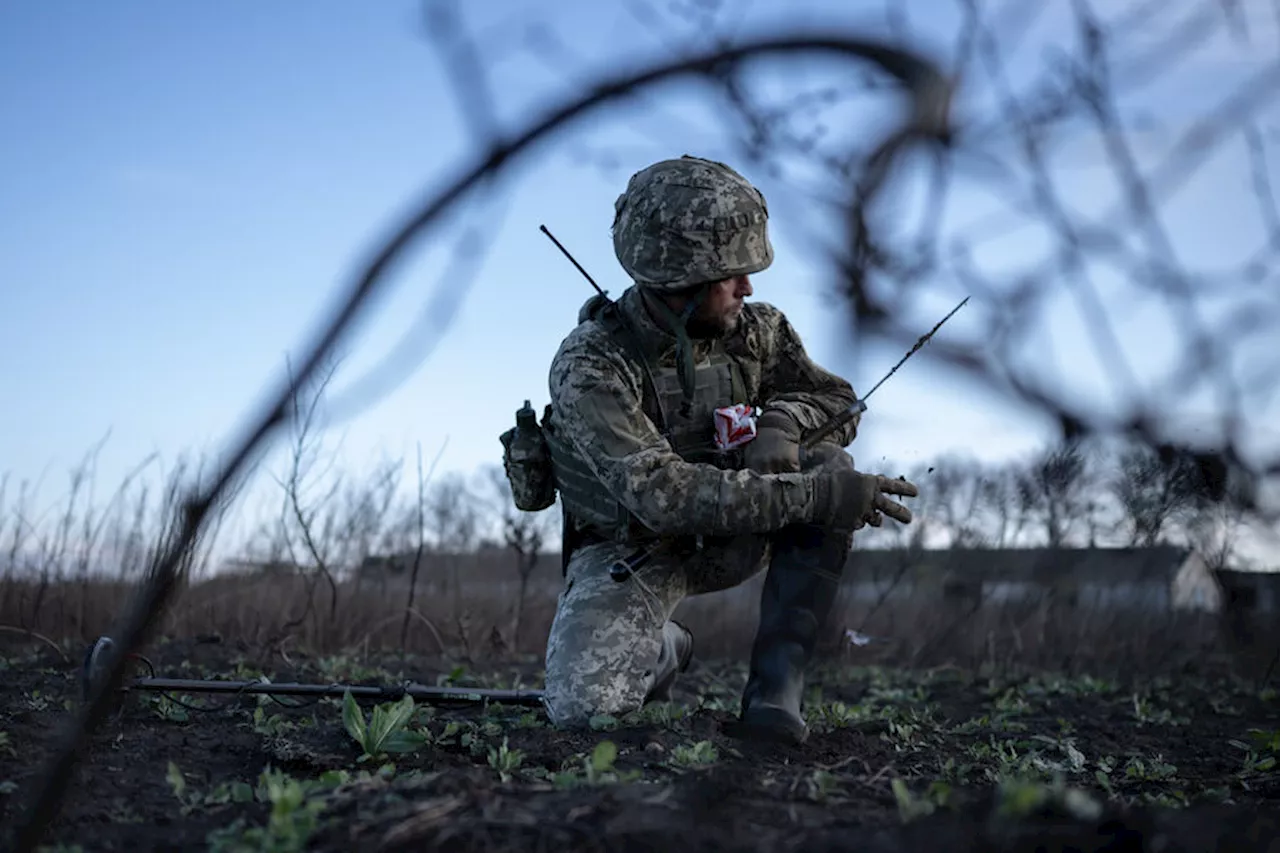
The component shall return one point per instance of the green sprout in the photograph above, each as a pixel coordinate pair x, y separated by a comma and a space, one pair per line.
505, 760
384, 733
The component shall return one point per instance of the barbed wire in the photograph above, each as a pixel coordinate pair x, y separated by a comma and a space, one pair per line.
880, 273
929, 91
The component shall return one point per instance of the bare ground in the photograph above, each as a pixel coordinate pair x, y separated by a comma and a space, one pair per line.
1027, 762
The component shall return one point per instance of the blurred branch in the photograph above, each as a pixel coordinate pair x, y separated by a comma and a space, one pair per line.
420, 508
883, 277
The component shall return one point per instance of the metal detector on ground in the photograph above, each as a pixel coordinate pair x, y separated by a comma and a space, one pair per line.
98, 658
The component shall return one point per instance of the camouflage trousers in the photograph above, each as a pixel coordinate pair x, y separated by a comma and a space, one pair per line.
611, 642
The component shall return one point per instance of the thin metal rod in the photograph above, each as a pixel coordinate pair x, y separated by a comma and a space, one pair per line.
860, 406
573, 260
921, 341
358, 691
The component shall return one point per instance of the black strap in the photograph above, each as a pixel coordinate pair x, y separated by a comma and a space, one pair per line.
737, 383
616, 321
678, 324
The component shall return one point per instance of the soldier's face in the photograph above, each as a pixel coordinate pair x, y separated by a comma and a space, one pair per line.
720, 311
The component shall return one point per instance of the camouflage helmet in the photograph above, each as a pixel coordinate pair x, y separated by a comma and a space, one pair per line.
689, 221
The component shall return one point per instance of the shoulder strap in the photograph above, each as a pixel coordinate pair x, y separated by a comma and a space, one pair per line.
617, 324
737, 383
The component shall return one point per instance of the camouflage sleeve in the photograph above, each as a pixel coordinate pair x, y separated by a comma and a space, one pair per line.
596, 397
794, 383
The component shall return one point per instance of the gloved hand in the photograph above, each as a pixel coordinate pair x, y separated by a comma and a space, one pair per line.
776, 447
847, 499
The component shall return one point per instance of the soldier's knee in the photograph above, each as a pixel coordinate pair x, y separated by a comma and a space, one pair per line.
567, 715
575, 710
571, 701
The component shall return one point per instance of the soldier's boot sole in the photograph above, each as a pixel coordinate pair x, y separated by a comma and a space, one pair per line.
773, 724
771, 700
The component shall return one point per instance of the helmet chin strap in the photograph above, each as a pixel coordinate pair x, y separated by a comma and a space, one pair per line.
684, 347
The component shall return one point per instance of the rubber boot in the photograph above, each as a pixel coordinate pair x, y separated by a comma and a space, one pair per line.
673, 659
799, 589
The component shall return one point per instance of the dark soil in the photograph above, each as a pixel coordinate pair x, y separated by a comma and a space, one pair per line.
897, 761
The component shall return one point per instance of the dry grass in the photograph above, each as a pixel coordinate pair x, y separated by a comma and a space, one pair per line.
269, 613
69, 580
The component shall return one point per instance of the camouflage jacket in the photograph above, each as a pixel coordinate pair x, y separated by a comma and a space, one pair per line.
596, 386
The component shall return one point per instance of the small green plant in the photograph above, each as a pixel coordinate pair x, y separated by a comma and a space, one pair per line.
193, 800
1020, 798
1102, 775
1260, 754
894, 695
452, 678
272, 726
701, 753
836, 714
344, 668
505, 760
384, 733
1010, 703
665, 714
37, 702
246, 671
1072, 761
603, 723
1147, 714
1166, 799
596, 769
167, 709
1156, 770
294, 817
716, 702
529, 720
911, 807
601, 761
1266, 741
457, 732
821, 784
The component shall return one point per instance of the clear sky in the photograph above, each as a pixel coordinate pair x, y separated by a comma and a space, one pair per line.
187, 188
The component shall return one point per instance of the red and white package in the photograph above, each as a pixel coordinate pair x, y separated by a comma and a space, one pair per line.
735, 425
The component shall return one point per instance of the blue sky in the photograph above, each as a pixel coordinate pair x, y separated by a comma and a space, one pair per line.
189, 186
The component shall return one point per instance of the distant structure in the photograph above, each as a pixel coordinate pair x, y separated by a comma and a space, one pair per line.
1159, 578
1153, 579
1251, 592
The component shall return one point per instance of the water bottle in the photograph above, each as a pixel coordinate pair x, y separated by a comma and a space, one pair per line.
527, 419
527, 461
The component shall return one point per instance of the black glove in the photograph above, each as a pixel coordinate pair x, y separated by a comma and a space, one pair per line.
776, 447
847, 499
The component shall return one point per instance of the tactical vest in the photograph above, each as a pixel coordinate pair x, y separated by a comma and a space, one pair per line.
718, 382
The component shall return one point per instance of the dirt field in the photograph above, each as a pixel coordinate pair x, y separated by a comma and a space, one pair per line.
1036, 762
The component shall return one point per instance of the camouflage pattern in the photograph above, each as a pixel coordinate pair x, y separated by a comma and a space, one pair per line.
526, 461
717, 382
596, 387
611, 642
689, 221
613, 645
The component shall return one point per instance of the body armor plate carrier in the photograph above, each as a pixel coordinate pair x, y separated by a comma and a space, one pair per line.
688, 424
